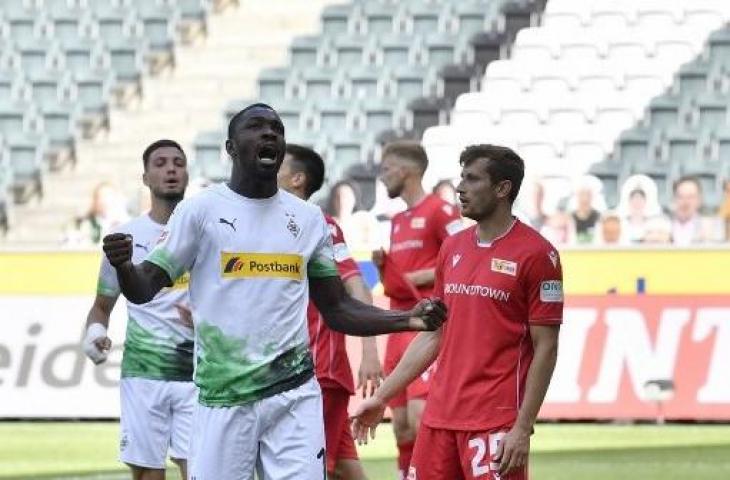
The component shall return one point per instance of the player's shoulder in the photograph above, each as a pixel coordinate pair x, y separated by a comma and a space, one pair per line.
459, 238
532, 240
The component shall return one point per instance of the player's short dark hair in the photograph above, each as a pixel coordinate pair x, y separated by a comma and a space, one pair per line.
687, 179
309, 162
159, 144
412, 151
240, 115
503, 164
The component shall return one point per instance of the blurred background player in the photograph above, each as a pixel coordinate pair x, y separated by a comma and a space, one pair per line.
502, 284
255, 254
302, 174
407, 270
157, 391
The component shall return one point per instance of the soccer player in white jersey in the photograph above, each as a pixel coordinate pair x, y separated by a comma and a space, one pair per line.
255, 255
157, 391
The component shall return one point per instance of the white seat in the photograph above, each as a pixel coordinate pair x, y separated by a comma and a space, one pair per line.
612, 15
475, 108
504, 78
534, 45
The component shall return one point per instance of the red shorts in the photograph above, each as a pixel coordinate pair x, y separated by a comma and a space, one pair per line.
394, 350
457, 455
338, 436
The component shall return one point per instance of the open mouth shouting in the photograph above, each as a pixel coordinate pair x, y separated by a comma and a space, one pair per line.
268, 155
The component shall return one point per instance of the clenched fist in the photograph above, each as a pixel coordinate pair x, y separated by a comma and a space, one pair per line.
428, 314
118, 248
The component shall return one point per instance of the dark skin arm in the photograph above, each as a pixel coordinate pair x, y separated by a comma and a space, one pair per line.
344, 314
139, 283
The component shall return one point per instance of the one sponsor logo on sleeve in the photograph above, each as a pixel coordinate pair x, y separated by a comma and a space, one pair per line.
551, 291
504, 266
454, 226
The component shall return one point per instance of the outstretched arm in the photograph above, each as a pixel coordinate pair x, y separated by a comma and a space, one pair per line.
352, 317
421, 353
139, 283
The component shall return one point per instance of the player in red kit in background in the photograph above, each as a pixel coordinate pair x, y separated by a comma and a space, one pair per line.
302, 174
407, 271
502, 283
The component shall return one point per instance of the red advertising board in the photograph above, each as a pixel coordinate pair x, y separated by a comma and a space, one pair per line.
610, 346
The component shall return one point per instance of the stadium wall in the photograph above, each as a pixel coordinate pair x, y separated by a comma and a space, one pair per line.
611, 343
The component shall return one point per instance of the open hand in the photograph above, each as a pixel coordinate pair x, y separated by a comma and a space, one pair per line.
513, 450
370, 373
366, 419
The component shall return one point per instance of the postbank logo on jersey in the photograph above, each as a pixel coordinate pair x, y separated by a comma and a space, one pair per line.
262, 265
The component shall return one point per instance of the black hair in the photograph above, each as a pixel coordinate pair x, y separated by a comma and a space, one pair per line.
503, 164
159, 144
309, 162
239, 116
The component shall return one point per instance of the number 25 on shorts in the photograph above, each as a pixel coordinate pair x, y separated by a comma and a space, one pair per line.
481, 466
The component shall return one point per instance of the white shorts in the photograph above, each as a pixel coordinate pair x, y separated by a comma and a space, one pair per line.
280, 437
156, 417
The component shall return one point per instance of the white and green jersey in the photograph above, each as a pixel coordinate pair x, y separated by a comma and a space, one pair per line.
157, 345
249, 261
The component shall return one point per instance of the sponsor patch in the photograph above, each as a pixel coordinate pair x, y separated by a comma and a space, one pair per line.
341, 252
418, 223
454, 226
261, 265
551, 291
504, 266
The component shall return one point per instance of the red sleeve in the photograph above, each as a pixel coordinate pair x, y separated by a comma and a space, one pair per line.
447, 221
346, 266
544, 283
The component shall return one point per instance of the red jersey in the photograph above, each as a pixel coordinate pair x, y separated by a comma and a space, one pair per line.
416, 236
493, 293
331, 364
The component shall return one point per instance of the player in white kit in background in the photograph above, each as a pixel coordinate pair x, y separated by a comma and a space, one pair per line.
157, 391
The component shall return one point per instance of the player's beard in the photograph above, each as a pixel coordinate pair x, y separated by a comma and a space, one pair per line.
170, 197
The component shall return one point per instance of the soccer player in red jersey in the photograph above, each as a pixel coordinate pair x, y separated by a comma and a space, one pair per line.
502, 283
407, 271
302, 174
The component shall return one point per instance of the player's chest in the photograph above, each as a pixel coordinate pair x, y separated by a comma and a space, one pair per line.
481, 277
257, 231
410, 227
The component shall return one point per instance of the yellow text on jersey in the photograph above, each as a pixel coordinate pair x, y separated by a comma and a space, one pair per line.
261, 265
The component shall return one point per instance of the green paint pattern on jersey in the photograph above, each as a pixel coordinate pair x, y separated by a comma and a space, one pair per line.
165, 261
102, 288
155, 358
321, 268
227, 377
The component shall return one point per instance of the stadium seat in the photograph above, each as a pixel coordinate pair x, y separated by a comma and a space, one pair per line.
210, 161
112, 23
336, 19
693, 78
304, 51
273, 83
25, 155
455, 80
14, 119
363, 82
36, 56
81, 55
333, 115
397, 49
379, 18
665, 112
92, 91
352, 51
712, 111
425, 18
48, 87
59, 128
379, 115
23, 25
442, 49
411, 81
487, 47
347, 149
70, 25
319, 83
719, 46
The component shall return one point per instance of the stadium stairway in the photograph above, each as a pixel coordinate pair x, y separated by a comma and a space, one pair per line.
176, 104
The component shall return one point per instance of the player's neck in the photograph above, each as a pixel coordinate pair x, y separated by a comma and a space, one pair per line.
161, 210
412, 193
495, 226
251, 187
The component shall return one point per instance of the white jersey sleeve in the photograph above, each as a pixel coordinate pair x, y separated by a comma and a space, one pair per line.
322, 262
107, 284
177, 247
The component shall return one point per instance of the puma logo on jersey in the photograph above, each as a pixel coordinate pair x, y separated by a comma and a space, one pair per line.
226, 222
143, 247
455, 259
